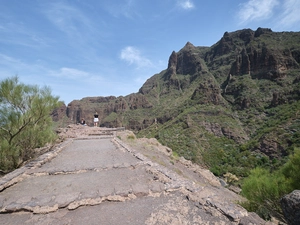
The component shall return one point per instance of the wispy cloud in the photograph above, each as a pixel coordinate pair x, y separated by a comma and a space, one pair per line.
75, 23
290, 15
186, 4
7, 60
10, 66
125, 8
71, 73
17, 33
256, 10
35, 70
67, 18
133, 55
283, 14
80, 32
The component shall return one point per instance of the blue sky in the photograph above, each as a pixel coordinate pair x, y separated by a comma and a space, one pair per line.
85, 48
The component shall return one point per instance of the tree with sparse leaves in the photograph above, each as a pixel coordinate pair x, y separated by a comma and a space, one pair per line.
25, 121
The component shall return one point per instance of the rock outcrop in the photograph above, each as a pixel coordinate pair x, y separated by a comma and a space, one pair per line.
59, 113
107, 108
208, 93
291, 207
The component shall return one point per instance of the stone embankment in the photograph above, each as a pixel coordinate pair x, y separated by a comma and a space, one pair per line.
107, 176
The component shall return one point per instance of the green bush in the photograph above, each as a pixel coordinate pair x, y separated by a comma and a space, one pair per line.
264, 189
8, 156
291, 170
25, 121
131, 136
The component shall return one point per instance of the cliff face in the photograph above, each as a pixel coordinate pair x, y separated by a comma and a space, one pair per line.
107, 108
227, 90
59, 113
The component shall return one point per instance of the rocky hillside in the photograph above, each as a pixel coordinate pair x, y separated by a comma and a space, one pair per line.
230, 106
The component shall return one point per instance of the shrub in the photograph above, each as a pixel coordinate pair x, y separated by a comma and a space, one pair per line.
230, 178
175, 155
291, 170
264, 189
131, 136
25, 121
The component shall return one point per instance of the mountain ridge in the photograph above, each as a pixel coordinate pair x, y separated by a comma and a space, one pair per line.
214, 100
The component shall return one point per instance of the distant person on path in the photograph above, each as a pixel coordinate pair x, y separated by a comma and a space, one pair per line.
96, 120
82, 121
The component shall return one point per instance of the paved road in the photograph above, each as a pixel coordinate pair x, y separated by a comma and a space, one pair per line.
102, 181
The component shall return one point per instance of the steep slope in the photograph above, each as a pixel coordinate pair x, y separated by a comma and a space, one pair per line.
213, 104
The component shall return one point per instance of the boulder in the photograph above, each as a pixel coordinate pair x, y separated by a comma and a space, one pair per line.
290, 204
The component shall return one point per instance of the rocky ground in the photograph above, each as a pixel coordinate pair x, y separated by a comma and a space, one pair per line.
108, 176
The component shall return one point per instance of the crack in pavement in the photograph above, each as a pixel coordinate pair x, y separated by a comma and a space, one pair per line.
139, 183
159, 181
96, 171
18, 174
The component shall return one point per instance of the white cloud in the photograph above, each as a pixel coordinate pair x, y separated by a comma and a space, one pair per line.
186, 4
290, 15
132, 55
71, 73
39, 74
256, 10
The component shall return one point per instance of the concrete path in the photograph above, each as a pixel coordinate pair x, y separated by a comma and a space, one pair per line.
100, 180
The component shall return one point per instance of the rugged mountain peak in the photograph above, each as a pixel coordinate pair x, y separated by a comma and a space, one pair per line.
188, 46
262, 60
235, 41
261, 31
223, 46
172, 65
246, 35
183, 62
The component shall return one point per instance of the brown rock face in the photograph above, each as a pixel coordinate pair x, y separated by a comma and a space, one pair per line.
260, 60
262, 63
224, 46
253, 56
105, 106
172, 65
261, 31
86, 108
271, 148
136, 101
59, 113
208, 93
186, 61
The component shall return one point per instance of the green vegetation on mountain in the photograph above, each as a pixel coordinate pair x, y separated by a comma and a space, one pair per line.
232, 107
25, 121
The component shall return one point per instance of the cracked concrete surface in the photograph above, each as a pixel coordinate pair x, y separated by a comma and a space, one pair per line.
99, 179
